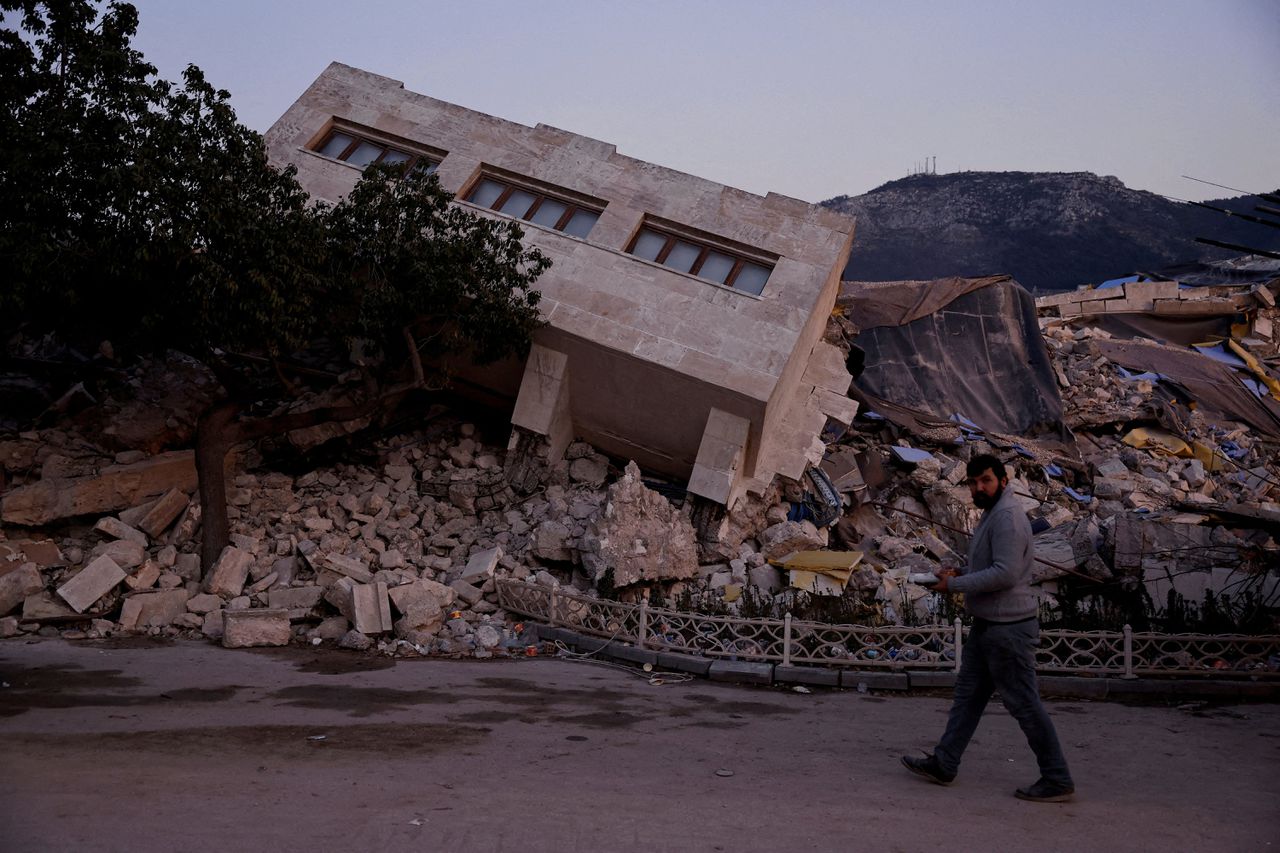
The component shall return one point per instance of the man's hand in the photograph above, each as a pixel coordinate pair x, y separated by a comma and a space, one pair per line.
944, 576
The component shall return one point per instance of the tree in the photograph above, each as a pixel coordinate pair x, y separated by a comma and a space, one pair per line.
143, 212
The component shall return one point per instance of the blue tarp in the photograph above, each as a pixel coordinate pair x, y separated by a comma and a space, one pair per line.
1118, 282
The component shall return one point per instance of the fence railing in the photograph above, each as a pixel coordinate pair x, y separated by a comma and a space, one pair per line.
925, 647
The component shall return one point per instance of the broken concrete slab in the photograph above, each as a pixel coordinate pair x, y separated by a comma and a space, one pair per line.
18, 583
42, 605
371, 608
123, 552
421, 596
43, 552
249, 628
91, 583
204, 603
229, 573
348, 566
144, 578
153, 609
163, 512
466, 592
480, 565
298, 600
117, 529
114, 488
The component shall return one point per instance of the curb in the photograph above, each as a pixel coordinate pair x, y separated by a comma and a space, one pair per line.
1057, 686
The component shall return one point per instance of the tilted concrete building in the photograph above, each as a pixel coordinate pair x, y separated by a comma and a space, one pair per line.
685, 317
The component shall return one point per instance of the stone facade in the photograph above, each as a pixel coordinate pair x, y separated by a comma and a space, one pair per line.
688, 377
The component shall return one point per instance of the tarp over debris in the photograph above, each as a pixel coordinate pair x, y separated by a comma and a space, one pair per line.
957, 346
1208, 382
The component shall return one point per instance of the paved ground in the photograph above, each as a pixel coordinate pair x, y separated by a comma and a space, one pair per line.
191, 747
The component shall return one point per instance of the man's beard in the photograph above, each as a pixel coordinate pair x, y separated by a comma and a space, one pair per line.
984, 501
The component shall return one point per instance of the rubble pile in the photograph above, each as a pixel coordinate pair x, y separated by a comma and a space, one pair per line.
1145, 489
405, 556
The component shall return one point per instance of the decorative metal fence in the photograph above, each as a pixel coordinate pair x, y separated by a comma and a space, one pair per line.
926, 647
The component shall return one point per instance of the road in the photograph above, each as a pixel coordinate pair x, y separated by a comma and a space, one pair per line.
135, 746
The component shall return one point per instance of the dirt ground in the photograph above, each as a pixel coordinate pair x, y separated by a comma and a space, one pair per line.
137, 746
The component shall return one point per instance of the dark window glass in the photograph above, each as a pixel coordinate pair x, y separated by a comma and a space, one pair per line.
533, 206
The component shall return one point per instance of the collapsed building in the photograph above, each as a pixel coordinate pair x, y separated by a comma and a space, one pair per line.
685, 318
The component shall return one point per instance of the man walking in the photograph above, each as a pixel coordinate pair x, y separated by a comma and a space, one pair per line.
1000, 651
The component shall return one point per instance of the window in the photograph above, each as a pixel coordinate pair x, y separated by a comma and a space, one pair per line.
700, 259
530, 205
350, 147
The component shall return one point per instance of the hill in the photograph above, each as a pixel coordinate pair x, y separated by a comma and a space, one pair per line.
1050, 230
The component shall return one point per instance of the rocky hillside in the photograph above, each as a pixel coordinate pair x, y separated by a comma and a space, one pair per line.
1051, 231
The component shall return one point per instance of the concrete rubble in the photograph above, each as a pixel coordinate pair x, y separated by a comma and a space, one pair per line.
402, 555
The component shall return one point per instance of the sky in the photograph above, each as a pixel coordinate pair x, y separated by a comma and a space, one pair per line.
808, 98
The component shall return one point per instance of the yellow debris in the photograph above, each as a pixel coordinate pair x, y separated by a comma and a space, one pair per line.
1158, 441
1273, 385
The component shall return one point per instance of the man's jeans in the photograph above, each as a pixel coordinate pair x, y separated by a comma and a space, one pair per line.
1002, 657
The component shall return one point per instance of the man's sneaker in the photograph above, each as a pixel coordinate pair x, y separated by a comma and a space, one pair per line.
929, 768
1044, 791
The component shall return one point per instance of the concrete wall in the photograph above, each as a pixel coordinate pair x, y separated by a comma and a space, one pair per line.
651, 351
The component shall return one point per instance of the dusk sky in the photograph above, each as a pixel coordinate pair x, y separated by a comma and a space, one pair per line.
809, 99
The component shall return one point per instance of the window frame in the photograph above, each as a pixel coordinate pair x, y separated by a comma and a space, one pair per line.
573, 202
360, 135
674, 235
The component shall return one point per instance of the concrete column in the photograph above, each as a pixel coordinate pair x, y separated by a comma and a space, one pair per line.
542, 405
718, 467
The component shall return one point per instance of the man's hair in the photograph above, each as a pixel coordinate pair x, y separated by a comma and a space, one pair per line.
982, 462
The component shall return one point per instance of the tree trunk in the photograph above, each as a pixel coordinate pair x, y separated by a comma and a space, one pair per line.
216, 434
220, 429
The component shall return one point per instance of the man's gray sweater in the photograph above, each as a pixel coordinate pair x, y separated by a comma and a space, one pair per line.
997, 582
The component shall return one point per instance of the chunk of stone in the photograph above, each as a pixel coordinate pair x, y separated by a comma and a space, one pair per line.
263, 584
42, 605
43, 552
551, 541
229, 573
779, 540
353, 639
122, 552
765, 577
391, 559
590, 471
153, 609
339, 594
487, 636
352, 568
187, 566
145, 577
212, 625
167, 556
371, 608
117, 529
330, 628
285, 569
135, 514
16, 584
481, 565
204, 603
9, 627
163, 512
421, 593
246, 628
298, 600
466, 592
91, 583
639, 536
